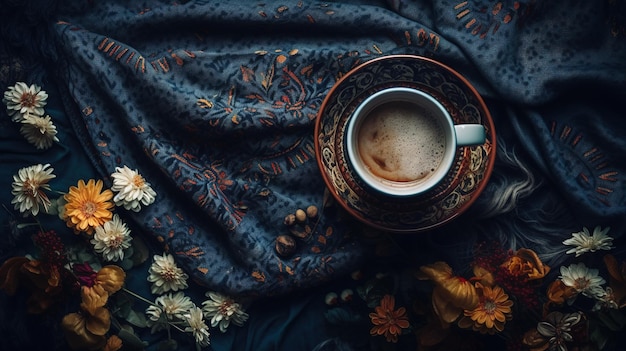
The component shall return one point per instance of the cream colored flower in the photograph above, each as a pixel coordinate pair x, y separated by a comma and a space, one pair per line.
132, 189
111, 239
222, 310
197, 326
28, 188
165, 275
175, 305
583, 242
39, 131
22, 100
583, 279
168, 308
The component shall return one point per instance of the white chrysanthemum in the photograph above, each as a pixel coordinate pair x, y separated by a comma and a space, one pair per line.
197, 326
39, 131
168, 308
583, 242
132, 189
22, 100
111, 239
222, 310
28, 188
583, 279
165, 275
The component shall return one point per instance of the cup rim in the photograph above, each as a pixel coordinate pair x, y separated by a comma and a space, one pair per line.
416, 215
400, 189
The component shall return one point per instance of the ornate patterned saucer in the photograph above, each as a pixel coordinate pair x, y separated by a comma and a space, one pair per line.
452, 196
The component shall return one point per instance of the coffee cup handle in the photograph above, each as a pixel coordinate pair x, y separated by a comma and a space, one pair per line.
469, 134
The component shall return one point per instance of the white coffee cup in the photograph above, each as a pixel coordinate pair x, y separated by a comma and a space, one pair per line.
402, 142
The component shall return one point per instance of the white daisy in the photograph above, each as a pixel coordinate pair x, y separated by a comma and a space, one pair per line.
583, 279
583, 242
28, 188
174, 305
197, 327
23, 100
111, 239
222, 310
165, 275
132, 189
39, 131
168, 308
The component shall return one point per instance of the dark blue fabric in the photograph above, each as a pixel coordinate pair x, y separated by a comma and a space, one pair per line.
214, 102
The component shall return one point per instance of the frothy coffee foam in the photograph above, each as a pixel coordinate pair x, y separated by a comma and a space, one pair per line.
399, 142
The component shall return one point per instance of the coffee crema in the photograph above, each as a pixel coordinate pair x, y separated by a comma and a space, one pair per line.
401, 142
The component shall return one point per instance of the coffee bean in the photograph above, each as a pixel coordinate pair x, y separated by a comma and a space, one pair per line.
285, 245
300, 215
311, 211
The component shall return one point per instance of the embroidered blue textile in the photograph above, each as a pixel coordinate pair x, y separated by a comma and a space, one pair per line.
215, 102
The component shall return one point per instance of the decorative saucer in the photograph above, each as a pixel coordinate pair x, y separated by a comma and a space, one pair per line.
455, 194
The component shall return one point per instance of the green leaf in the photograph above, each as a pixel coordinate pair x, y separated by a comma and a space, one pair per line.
129, 338
137, 319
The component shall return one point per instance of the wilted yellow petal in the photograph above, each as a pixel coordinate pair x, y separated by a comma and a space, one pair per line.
446, 311
9, 274
437, 271
484, 276
93, 298
100, 322
77, 336
114, 343
111, 277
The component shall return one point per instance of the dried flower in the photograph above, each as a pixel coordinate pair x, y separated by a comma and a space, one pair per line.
111, 278
23, 100
583, 242
559, 293
617, 279
111, 239
492, 312
222, 310
78, 337
197, 327
165, 275
387, 320
88, 206
525, 263
557, 328
39, 131
132, 189
28, 188
451, 294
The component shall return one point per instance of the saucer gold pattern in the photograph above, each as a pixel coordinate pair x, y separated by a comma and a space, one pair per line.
455, 194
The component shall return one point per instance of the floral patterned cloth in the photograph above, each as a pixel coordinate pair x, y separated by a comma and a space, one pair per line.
215, 102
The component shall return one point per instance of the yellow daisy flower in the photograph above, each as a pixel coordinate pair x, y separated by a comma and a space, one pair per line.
492, 312
88, 206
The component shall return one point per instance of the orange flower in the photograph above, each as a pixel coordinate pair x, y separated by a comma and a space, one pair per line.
558, 292
77, 335
492, 312
10, 272
41, 279
526, 263
114, 343
451, 294
387, 320
111, 278
88, 206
